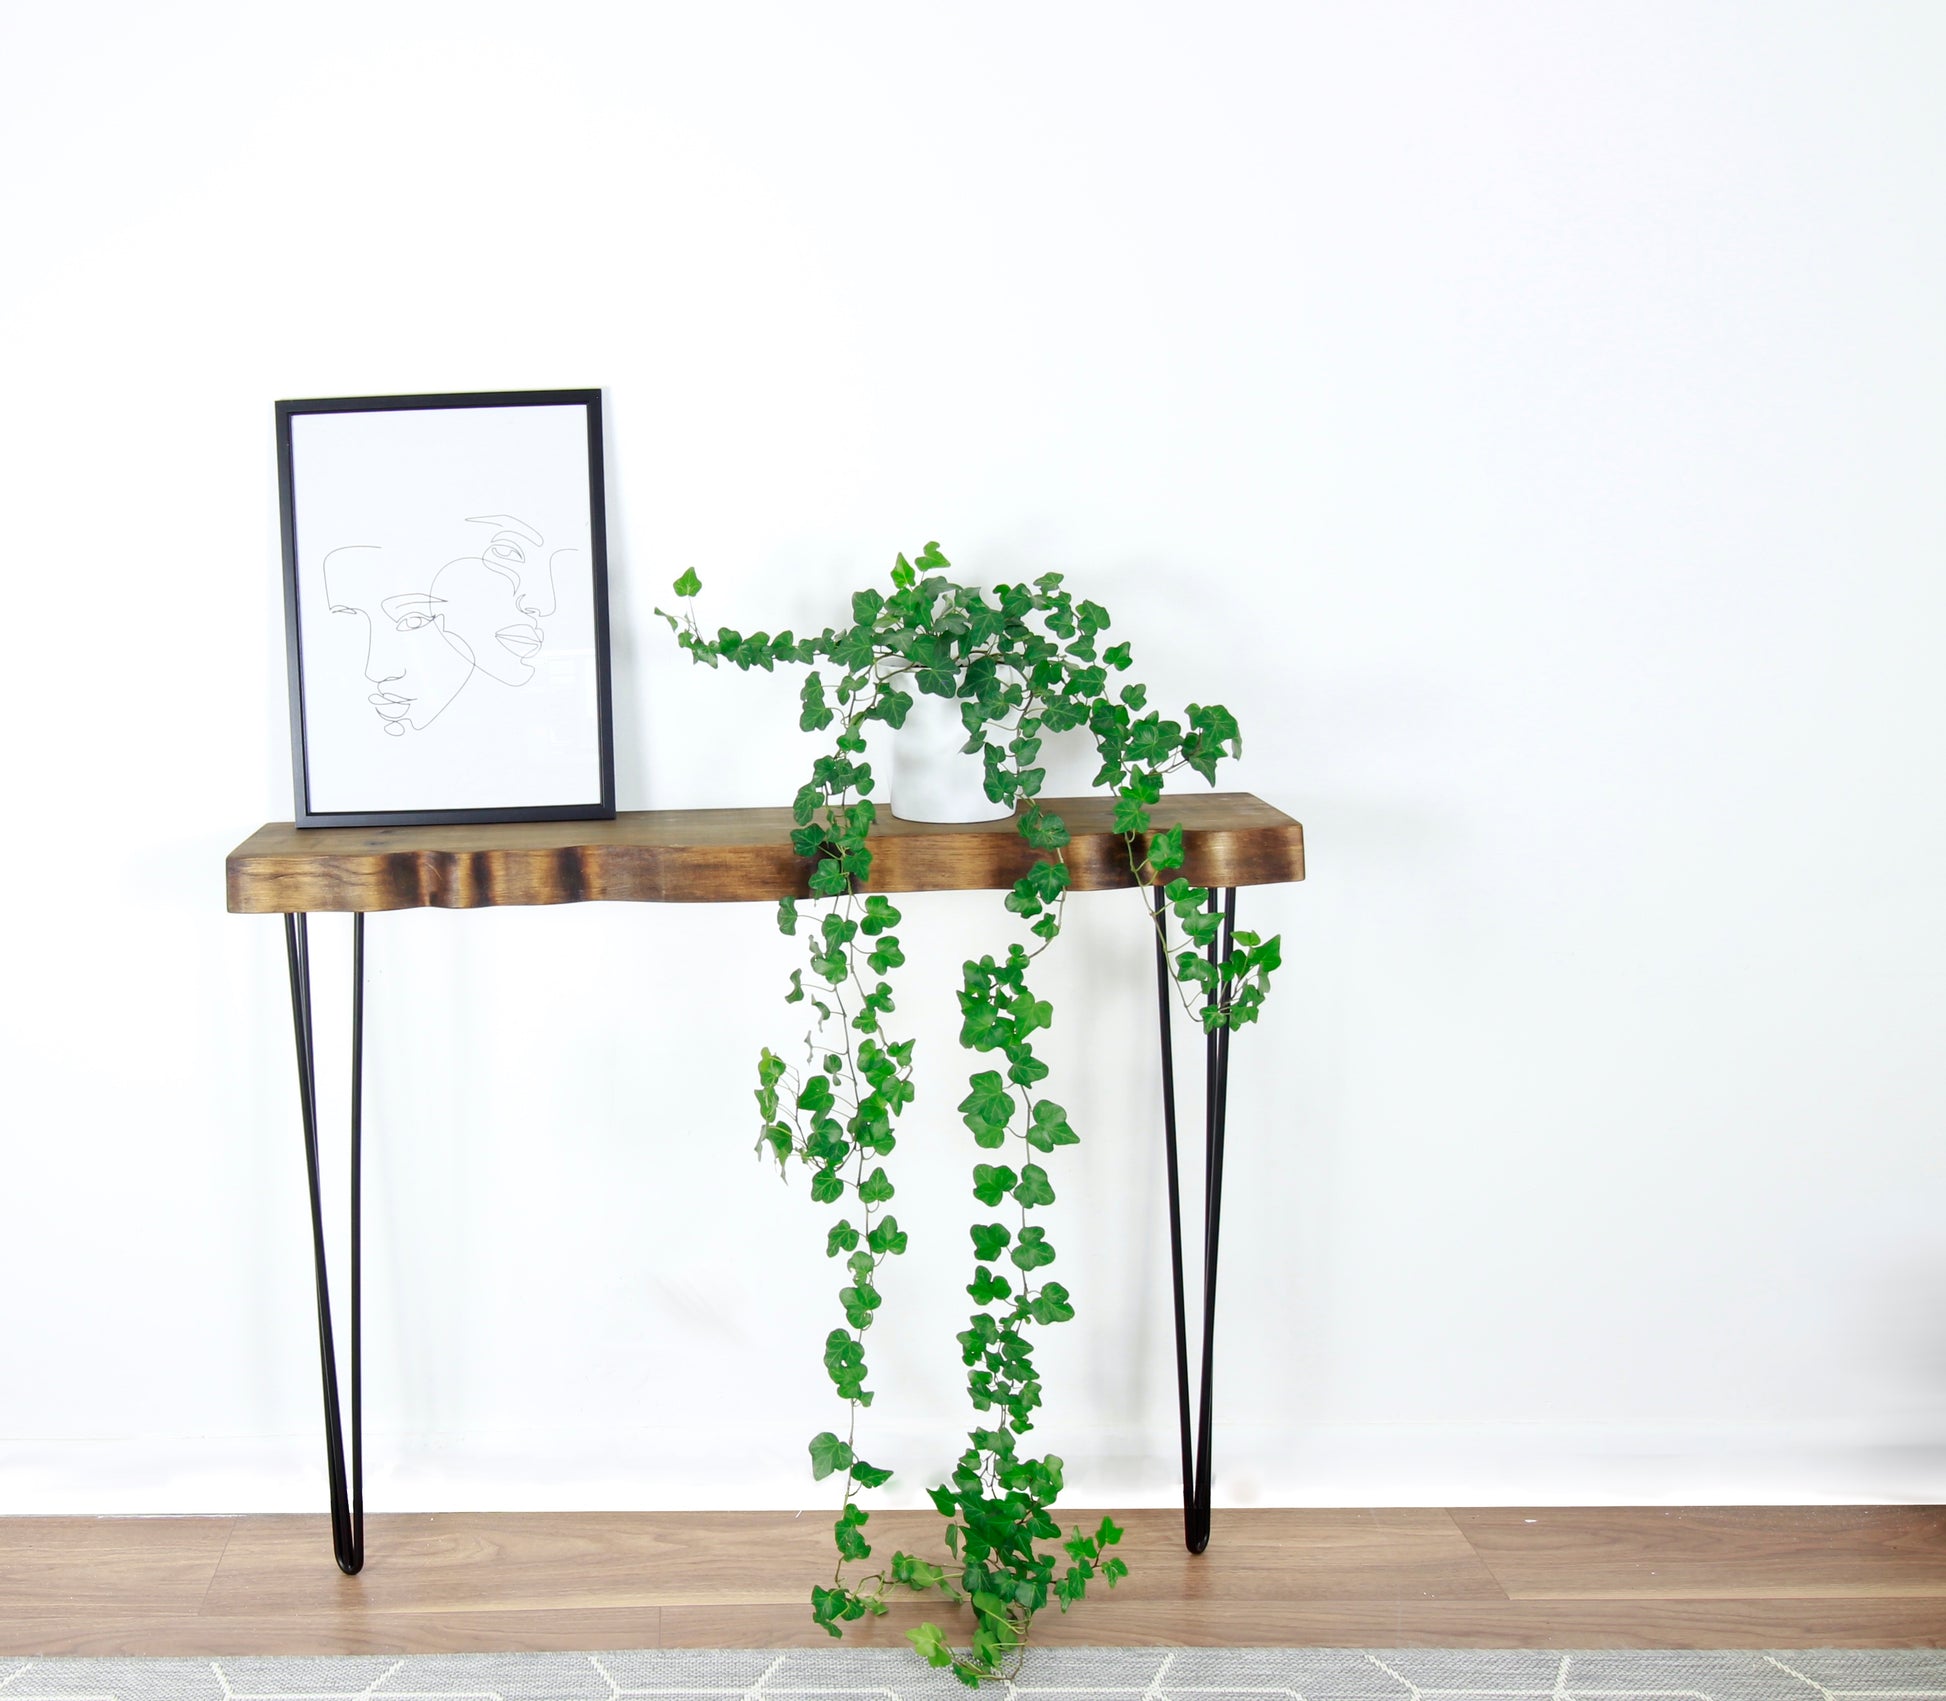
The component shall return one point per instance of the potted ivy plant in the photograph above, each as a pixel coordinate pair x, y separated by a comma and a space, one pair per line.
1015, 665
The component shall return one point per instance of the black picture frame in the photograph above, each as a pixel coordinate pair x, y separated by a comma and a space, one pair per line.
598, 807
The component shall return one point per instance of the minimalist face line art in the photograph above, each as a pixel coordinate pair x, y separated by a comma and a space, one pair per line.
414, 672
479, 613
497, 599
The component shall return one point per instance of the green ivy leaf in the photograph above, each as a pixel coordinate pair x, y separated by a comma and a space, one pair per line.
1023, 1066
989, 1240
770, 1070
850, 1533
988, 1108
1032, 1250
1050, 1127
872, 1129
1218, 726
828, 1455
826, 1143
688, 585
1130, 816
875, 1189
1196, 970
816, 714
827, 1606
827, 1186
852, 648
829, 880
1200, 926
1035, 1188
1030, 1013
930, 1644
879, 915
859, 1303
988, 1285
1051, 1304
1152, 741
991, 1182
887, 1238
915, 1573
842, 1238
1043, 829
980, 1340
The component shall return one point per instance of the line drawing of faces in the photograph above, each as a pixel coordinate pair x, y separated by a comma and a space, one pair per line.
492, 604
415, 671
425, 638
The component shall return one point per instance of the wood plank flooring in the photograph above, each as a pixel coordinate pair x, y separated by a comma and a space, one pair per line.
1614, 1577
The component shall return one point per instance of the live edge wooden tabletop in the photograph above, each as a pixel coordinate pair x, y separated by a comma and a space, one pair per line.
706, 856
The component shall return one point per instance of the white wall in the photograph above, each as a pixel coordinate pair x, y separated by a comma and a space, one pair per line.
1529, 419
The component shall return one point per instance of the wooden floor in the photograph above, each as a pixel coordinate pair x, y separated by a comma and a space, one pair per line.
1538, 1577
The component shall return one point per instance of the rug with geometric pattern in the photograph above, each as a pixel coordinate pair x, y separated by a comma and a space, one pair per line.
1059, 1674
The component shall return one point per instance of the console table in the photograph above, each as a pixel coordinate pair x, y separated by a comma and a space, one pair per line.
1230, 839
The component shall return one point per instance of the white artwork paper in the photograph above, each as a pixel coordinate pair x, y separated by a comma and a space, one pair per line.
446, 608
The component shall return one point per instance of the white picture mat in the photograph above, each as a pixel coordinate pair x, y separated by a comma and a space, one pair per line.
383, 501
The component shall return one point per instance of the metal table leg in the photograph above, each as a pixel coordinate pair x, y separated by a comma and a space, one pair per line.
1196, 1444
347, 1503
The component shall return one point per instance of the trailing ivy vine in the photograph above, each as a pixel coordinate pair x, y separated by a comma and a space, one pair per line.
1025, 662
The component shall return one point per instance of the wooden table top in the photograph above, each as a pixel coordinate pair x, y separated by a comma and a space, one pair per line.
691, 856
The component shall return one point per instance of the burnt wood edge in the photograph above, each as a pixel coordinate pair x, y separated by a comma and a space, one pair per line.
271, 884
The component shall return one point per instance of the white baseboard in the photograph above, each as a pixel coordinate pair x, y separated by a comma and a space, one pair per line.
762, 1465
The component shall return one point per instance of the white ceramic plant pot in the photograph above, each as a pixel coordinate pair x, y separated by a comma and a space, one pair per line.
933, 779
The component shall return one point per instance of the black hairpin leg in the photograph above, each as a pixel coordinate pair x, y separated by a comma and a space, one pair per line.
347, 1502
1196, 1444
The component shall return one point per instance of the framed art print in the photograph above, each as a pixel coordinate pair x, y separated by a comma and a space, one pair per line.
446, 608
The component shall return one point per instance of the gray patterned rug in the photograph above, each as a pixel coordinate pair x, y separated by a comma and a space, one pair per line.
1096, 1674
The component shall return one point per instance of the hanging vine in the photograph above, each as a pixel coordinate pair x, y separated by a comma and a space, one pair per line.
1022, 664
